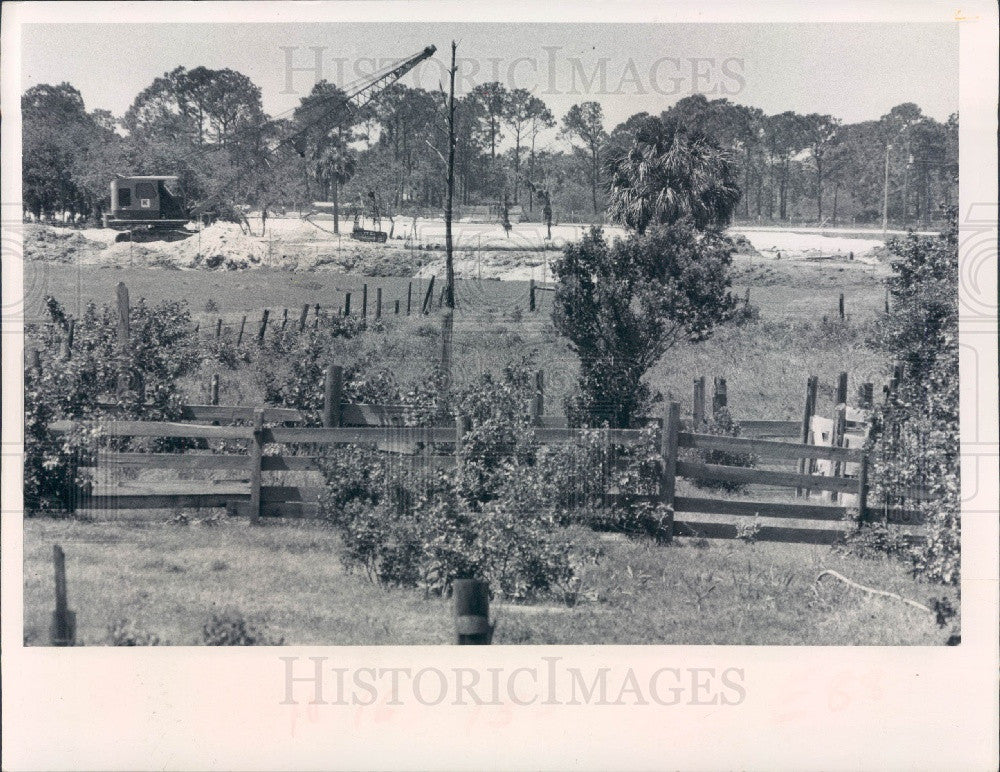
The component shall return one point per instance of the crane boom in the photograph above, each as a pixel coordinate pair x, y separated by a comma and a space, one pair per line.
364, 95
358, 97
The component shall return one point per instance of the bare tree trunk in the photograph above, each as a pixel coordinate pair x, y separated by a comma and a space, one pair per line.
449, 260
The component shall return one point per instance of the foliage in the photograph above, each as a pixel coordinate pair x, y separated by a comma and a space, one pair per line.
623, 305
502, 514
231, 628
915, 441
162, 350
125, 632
669, 173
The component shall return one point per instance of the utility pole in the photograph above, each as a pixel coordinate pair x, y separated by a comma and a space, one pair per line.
885, 193
449, 260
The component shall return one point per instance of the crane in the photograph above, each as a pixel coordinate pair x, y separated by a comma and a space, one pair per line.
136, 211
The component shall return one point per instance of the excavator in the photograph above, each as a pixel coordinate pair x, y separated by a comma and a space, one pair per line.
153, 207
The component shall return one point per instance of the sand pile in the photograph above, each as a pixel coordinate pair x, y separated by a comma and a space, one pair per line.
44, 243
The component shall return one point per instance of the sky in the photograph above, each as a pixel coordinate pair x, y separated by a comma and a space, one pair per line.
854, 72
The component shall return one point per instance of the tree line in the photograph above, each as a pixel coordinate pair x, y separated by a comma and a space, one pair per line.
209, 127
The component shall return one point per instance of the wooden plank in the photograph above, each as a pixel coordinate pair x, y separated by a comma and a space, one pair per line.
697, 471
613, 436
256, 453
310, 493
292, 509
766, 448
161, 500
766, 533
288, 464
762, 508
360, 434
173, 460
372, 415
772, 428
233, 413
157, 429
668, 452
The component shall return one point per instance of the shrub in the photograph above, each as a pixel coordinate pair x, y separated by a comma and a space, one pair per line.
914, 439
623, 305
162, 350
125, 632
503, 513
231, 628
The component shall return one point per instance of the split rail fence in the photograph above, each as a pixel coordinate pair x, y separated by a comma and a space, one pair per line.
264, 428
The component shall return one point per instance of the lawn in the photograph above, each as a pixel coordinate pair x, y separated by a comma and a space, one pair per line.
168, 579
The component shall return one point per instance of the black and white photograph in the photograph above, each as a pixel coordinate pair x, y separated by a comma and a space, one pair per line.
379, 331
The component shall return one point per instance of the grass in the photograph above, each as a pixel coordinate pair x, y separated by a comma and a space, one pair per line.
167, 580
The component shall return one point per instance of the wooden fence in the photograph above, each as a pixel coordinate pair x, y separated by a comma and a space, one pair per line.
373, 425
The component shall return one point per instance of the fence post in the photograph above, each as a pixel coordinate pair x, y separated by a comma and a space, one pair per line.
866, 396
213, 397
378, 302
668, 453
840, 307
333, 395
863, 488
839, 430
243, 324
531, 294
538, 403
842, 389
472, 612
123, 335
302, 318
720, 398
284, 319
68, 340
812, 384
63, 631
263, 325
218, 329
256, 453
409, 297
698, 406
397, 307
347, 304
364, 301
887, 300
427, 296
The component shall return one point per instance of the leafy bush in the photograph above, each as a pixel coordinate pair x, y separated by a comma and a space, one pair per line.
162, 350
125, 632
914, 439
231, 628
623, 305
504, 513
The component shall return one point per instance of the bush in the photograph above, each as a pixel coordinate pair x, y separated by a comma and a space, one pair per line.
125, 632
623, 305
914, 439
162, 350
507, 510
231, 628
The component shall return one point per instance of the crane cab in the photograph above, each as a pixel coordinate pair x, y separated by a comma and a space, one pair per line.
150, 202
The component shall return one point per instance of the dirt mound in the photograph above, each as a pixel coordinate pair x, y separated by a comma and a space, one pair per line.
43, 243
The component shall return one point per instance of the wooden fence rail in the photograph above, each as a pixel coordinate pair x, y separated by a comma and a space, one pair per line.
253, 497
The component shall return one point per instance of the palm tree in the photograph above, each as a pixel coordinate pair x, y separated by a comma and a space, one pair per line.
336, 165
669, 173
